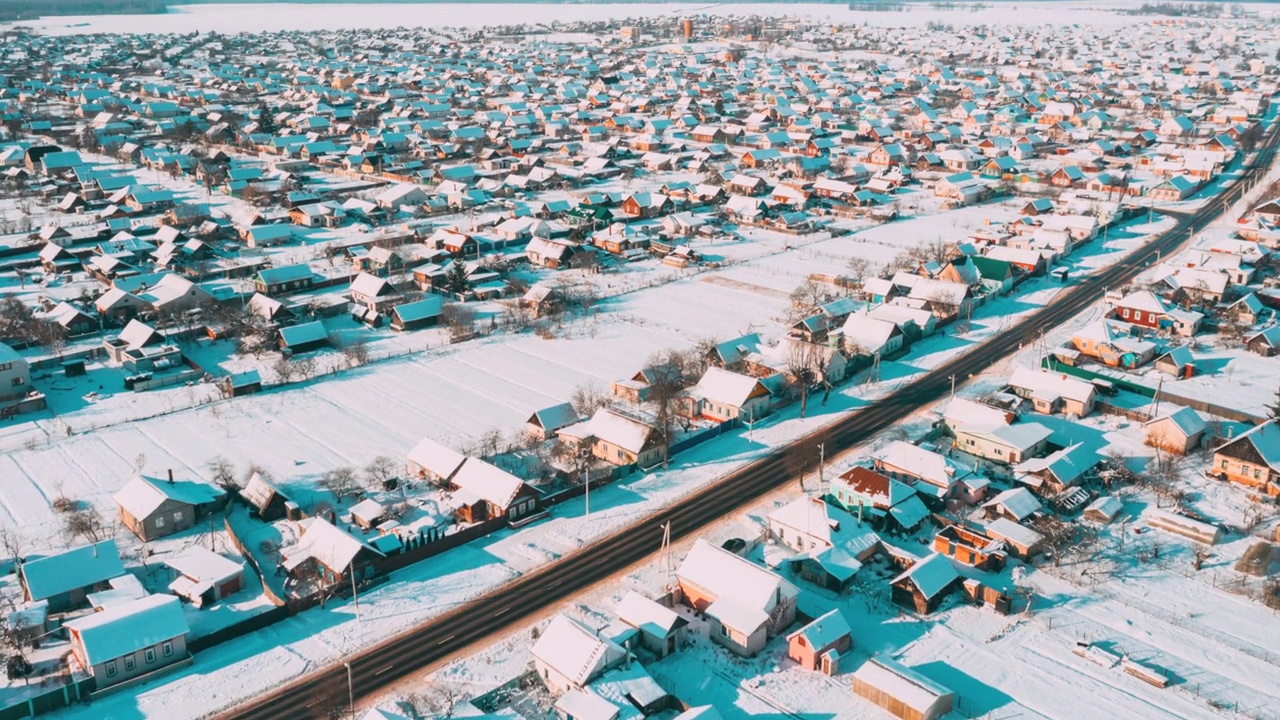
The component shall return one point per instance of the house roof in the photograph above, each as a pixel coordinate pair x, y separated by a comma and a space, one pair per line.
487, 482
640, 612
129, 627
333, 547
1018, 502
901, 683
726, 575
304, 334
931, 575
809, 515
1068, 465
582, 705
76, 568
1265, 438
200, 563
617, 429
728, 388
555, 417
1051, 385
258, 492
142, 495
929, 466
574, 650
436, 458
823, 631
1005, 529
1186, 419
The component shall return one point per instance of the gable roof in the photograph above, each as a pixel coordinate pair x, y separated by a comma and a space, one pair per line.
129, 627
333, 547
142, 495
76, 568
729, 388
574, 650
640, 612
436, 458
823, 631
726, 575
931, 575
487, 482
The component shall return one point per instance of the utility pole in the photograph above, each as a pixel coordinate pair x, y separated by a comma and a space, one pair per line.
351, 692
953, 386
351, 570
822, 460
586, 470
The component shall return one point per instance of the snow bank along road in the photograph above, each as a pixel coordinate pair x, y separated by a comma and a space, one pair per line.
492, 614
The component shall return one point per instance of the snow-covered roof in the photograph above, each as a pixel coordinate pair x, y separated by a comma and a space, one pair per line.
824, 631
1005, 529
931, 575
128, 628
575, 650
581, 705
926, 465
367, 510
258, 492
75, 568
727, 388
901, 683
142, 495
971, 415
555, 417
435, 458
1265, 438
1105, 508
617, 429
808, 515
640, 612
487, 482
1068, 465
1018, 502
1052, 385
331, 546
723, 574
200, 563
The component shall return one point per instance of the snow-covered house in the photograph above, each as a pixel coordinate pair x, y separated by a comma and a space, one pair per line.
153, 508
923, 586
434, 460
130, 639
1252, 458
329, 553
822, 643
485, 492
931, 474
568, 655
65, 580
1180, 431
878, 499
203, 576
746, 603
723, 395
660, 629
15, 374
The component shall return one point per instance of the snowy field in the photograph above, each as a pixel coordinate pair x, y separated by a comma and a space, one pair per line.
270, 17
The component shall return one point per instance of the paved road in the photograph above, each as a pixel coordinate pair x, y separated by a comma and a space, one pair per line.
323, 694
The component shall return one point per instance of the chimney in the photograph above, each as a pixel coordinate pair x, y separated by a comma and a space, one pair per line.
170, 476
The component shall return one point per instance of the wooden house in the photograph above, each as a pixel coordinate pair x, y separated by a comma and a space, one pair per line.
1252, 458
482, 491
64, 580
153, 508
129, 640
925, 584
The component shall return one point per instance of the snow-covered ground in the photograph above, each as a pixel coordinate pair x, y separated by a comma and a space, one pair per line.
269, 17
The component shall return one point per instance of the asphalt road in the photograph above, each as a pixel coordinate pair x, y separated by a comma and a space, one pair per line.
324, 694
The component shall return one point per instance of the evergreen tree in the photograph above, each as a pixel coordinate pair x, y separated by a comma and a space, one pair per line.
266, 121
455, 280
1275, 406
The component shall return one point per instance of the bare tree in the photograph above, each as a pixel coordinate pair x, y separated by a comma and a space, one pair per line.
284, 369
460, 320
341, 481
356, 352
858, 268
800, 370
587, 398
806, 298
85, 525
440, 699
256, 469
223, 473
379, 470
670, 376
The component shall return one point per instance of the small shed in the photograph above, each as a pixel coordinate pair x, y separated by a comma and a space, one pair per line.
1104, 509
265, 498
661, 628
204, 577
243, 383
902, 691
1182, 525
544, 423
367, 513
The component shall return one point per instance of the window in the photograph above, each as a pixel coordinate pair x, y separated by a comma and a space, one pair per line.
1124, 312
150, 655
177, 518
1257, 473
724, 632
6, 366
160, 521
111, 668
17, 381
130, 663
167, 649
1224, 464
1244, 470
